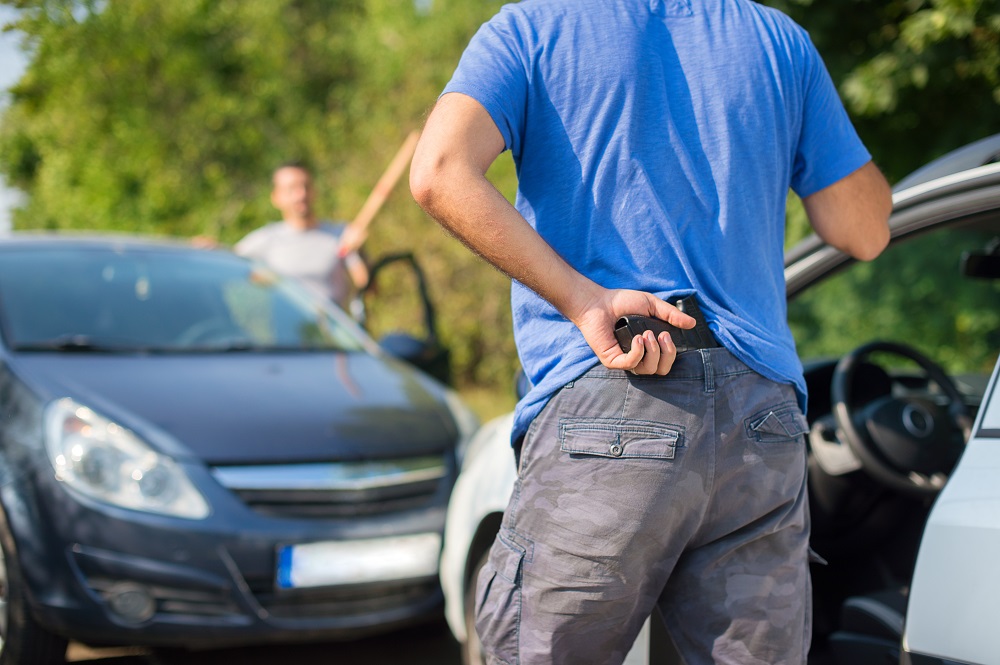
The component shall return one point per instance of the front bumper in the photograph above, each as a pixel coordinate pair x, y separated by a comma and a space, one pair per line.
210, 609
103, 575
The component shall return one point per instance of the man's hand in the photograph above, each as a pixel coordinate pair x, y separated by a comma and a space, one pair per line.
351, 240
205, 242
648, 355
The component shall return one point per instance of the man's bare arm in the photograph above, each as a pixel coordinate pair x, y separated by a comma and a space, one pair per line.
852, 214
448, 180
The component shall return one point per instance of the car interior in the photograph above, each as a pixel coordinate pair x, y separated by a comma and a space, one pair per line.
897, 354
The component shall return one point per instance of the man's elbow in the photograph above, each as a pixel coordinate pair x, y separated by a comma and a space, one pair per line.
424, 181
439, 182
853, 213
870, 248
869, 245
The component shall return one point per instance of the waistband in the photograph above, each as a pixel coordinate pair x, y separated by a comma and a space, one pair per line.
694, 365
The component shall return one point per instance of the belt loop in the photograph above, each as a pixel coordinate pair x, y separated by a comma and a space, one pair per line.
706, 361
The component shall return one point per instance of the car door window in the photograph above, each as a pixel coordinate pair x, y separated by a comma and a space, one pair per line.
913, 293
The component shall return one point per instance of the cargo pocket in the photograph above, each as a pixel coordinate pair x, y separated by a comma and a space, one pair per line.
816, 558
613, 438
780, 424
498, 600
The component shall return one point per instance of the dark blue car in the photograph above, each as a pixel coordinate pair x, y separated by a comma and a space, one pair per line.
194, 451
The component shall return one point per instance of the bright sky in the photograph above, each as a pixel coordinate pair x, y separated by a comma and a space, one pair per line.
12, 63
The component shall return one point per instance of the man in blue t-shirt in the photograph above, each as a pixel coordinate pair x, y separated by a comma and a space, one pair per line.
655, 143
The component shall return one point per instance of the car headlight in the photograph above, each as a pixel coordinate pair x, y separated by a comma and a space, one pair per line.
105, 461
466, 421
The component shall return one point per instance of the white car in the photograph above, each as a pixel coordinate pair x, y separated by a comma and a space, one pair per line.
897, 356
955, 596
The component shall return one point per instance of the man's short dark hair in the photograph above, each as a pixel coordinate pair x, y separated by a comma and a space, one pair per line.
300, 164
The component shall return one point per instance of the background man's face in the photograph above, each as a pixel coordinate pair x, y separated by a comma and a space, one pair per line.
293, 193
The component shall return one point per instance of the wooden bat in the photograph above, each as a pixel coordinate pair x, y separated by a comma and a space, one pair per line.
357, 230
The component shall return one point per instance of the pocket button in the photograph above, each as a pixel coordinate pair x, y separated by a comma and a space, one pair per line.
616, 449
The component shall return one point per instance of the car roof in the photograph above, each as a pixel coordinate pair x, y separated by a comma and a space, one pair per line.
90, 240
982, 152
964, 169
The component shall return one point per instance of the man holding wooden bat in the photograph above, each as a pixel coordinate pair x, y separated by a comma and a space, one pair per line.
321, 254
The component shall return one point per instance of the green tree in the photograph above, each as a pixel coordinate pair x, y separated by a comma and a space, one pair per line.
918, 77
162, 117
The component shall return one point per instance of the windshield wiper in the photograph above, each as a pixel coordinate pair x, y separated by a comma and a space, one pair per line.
237, 346
73, 343
76, 343
245, 346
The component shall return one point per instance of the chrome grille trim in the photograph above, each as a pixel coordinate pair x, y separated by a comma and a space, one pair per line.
336, 477
337, 490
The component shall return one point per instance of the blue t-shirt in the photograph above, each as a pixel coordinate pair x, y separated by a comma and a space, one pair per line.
655, 143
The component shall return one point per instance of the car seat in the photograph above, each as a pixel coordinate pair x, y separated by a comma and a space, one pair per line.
871, 629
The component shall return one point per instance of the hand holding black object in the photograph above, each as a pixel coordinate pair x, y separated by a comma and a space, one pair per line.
699, 337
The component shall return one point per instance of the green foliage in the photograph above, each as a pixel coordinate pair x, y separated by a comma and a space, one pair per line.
168, 117
915, 294
411, 56
796, 222
164, 117
919, 77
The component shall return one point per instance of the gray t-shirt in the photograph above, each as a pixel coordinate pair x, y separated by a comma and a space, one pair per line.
308, 255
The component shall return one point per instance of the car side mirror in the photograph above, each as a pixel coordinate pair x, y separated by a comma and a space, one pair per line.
403, 346
984, 264
424, 354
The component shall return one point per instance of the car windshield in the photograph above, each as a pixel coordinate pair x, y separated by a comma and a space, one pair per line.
127, 300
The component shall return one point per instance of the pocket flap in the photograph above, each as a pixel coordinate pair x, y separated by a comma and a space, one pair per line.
780, 423
507, 556
612, 438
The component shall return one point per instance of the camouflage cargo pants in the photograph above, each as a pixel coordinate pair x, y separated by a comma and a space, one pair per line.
686, 491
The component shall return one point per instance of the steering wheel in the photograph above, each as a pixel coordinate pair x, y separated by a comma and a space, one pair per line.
907, 443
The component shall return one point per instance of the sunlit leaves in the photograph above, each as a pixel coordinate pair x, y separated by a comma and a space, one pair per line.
919, 77
168, 116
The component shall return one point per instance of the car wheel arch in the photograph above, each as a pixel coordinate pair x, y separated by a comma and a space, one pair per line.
33, 644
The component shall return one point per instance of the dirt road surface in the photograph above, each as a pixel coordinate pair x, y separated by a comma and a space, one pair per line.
429, 644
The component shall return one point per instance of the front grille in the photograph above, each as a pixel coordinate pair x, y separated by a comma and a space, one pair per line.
337, 490
329, 504
342, 601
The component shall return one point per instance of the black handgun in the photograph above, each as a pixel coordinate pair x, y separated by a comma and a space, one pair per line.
685, 339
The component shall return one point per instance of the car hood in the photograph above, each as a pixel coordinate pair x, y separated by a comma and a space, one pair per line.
248, 408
